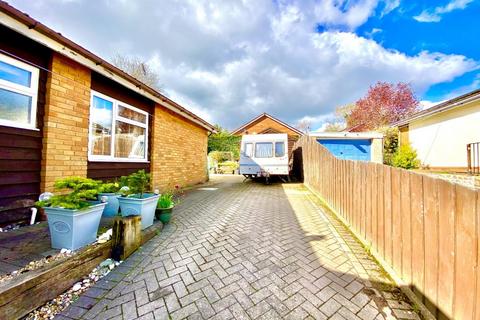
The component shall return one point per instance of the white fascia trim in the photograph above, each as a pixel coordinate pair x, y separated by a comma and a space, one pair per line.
346, 135
77, 57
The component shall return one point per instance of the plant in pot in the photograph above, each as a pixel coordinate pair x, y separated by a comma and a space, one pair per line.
73, 219
164, 207
135, 200
109, 190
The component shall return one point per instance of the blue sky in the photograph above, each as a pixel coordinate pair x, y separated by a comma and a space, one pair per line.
455, 33
230, 60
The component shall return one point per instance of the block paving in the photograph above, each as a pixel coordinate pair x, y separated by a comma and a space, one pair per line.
244, 250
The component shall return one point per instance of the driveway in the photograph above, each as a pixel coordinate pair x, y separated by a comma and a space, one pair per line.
244, 250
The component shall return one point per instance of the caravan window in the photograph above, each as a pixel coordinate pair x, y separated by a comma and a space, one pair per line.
279, 149
248, 149
263, 150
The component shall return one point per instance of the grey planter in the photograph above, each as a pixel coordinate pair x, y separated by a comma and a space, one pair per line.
111, 209
73, 229
136, 206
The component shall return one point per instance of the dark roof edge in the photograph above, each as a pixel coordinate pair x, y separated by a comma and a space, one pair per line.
41, 28
268, 116
441, 107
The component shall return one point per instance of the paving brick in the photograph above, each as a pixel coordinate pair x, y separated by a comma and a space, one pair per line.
235, 253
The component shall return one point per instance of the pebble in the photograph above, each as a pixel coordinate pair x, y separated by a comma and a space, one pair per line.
57, 305
33, 265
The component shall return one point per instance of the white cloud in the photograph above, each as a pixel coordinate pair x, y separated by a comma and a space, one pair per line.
232, 60
344, 13
389, 6
435, 14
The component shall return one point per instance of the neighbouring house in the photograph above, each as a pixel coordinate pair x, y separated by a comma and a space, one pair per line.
66, 112
441, 134
264, 124
364, 146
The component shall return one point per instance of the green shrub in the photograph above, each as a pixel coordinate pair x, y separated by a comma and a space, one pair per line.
390, 144
138, 183
229, 164
221, 156
82, 190
406, 158
110, 187
165, 200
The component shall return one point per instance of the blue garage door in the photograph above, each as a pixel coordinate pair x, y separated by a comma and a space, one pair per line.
348, 149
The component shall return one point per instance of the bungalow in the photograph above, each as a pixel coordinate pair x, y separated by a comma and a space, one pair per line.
442, 133
66, 112
266, 123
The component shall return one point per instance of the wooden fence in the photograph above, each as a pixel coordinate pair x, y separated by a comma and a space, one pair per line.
425, 229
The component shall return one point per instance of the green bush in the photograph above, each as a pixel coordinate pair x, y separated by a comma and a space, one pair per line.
229, 164
82, 190
138, 183
390, 144
221, 156
406, 158
165, 201
109, 187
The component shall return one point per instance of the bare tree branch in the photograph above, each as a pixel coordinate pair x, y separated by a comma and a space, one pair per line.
138, 69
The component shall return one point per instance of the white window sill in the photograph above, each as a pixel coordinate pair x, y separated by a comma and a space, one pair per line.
18, 126
118, 160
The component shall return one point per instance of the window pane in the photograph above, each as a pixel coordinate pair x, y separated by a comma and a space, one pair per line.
15, 74
101, 117
132, 115
248, 149
129, 141
263, 150
279, 149
15, 106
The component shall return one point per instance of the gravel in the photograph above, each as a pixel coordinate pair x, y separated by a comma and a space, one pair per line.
57, 305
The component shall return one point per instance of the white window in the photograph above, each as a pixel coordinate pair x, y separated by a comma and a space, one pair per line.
279, 149
249, 149
263, 150
118, 131
18, 93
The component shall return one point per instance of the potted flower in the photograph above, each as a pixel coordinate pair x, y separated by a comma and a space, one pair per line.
135, 199
164, 207
109, 190
72, 219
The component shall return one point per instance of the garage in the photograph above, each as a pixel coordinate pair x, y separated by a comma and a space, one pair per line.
361, 146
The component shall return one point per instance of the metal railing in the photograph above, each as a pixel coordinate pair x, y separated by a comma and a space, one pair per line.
473, 158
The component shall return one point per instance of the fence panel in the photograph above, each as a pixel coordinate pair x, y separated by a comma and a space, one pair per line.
427, 230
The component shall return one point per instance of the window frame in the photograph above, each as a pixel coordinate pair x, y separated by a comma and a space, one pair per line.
275, 149
31, 91
115, 117
252, 149
272, 150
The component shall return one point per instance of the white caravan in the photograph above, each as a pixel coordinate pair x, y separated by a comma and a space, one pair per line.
264, 155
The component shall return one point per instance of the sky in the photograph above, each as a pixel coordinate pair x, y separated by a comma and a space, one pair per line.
230, 60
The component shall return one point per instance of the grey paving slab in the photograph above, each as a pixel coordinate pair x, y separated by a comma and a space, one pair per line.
246, 250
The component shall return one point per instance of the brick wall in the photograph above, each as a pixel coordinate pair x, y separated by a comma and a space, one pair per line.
65, 137
179, 152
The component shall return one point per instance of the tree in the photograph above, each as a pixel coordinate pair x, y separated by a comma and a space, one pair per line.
223, 140
384, 103
333, 126
304, 125
138, 69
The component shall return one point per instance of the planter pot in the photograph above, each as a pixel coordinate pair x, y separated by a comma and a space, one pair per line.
164, 214
136, 206
111, 209
73, 229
